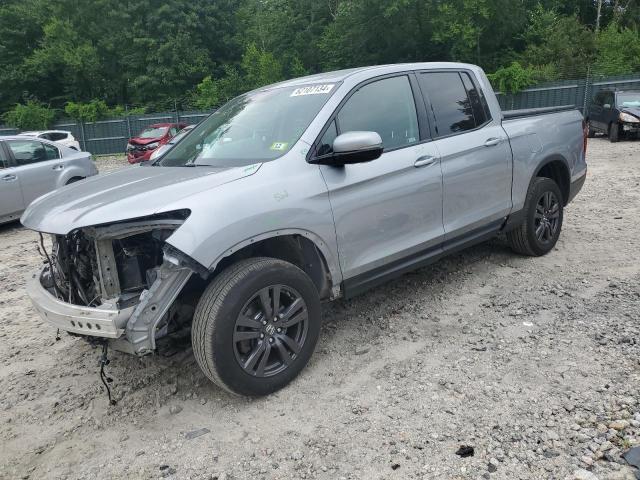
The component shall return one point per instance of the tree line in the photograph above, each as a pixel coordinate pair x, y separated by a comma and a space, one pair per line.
87, 59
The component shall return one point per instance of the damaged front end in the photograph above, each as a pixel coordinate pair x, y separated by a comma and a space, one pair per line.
119, 281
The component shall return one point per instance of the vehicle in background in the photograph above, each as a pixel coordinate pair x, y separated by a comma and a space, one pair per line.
615, 113
140, 148
162, 149
61, 137
30, 168
296, 193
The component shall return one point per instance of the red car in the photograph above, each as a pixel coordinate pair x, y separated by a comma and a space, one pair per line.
140, 148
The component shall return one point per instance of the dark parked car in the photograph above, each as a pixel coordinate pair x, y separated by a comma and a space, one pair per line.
615, 113
140, 148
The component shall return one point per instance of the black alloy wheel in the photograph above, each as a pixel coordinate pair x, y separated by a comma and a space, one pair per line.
547, 217
270, 331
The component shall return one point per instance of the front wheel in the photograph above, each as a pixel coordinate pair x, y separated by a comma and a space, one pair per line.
256, 326
614, 133
591, 133
540, 230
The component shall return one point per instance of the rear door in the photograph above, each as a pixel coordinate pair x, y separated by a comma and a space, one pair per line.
11, 202
38, 166
475, 153
391, 208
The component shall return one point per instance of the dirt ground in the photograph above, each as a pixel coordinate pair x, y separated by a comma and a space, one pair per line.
534, 362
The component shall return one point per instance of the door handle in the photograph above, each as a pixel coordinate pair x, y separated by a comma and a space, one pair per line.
9, 178
58, 167
425, 161
492, 142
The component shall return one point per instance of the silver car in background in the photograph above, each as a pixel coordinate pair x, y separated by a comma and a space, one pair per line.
31, 167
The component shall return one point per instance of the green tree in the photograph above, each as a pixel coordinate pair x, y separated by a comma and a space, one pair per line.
31, 115
618, 51
558, 45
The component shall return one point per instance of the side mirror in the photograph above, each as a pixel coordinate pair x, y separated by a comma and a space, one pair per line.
607, 105
353, 147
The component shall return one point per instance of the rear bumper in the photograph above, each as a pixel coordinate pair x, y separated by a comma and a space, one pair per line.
95, 322
576, 186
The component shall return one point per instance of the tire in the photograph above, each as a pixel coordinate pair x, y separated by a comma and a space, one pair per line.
73, 180
614, 133
525, 239
591, 133
231, 310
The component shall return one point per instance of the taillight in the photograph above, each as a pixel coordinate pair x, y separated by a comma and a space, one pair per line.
585, 137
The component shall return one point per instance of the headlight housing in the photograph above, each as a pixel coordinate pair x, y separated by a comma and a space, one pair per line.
153, 146
628, 118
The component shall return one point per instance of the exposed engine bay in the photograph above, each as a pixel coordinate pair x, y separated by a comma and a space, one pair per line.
126, 275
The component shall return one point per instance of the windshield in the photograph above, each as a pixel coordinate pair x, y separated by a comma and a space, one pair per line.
629, 100
253, 128
153, 132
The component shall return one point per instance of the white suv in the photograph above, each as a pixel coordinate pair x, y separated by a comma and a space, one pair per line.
58, 136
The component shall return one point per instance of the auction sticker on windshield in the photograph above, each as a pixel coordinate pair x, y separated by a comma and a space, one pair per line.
279, 146
313, 90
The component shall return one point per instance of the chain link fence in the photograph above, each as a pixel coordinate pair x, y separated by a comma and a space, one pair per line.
577, 92
106, 137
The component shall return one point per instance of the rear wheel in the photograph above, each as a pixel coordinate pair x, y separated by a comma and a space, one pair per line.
614, 132
256, 326
73, 180
540, 230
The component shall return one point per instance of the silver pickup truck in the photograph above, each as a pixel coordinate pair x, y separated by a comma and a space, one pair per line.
304, 191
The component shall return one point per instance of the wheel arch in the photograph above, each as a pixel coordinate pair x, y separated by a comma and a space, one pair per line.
300, 247
557, 169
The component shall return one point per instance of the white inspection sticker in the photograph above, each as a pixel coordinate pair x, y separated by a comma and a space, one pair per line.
313, 90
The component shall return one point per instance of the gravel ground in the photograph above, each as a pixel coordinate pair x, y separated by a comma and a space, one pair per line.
535, 363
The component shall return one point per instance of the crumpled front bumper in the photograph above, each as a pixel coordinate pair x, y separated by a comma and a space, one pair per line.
97, 322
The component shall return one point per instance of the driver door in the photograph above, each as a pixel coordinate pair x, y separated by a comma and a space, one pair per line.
387, 212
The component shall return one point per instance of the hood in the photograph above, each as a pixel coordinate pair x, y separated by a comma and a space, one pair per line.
144, 141
133, 192
635, 111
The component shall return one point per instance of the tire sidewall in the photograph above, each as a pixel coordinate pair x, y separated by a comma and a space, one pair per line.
221, 338
539, 188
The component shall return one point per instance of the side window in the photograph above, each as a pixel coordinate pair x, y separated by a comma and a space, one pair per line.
27, 152
450, 103
386, 107
325, 146
173, 131
52, 152
611, 99
478, 103
599, 100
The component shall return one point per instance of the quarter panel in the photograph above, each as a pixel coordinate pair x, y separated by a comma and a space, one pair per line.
557, 135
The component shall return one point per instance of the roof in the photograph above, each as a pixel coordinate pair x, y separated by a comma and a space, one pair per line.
39, 132
341, 75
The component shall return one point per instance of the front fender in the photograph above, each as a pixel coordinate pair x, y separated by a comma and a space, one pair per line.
285, 197
321, 245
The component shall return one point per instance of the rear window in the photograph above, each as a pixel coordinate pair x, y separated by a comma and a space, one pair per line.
57, 136
153, 132
452, 107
